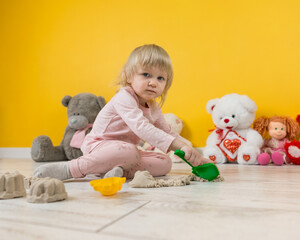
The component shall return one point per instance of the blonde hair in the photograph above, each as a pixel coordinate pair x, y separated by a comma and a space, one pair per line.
149, 55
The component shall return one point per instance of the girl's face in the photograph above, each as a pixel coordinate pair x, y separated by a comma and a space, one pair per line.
148, 83
277, 130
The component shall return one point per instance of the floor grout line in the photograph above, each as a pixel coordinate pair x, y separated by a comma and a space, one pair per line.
118, 219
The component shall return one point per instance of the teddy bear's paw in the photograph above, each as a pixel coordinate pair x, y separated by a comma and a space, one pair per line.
72, 153
39, 148
248, 155
214, 154
247, 159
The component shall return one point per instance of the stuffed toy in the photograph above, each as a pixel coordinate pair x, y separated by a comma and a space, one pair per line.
293, 148
277, 131
233, 140
176, 125
82, 110
293, 151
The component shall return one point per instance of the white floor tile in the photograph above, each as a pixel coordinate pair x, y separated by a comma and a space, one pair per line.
254, 202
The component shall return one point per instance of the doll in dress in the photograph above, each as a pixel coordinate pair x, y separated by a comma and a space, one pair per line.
277, 131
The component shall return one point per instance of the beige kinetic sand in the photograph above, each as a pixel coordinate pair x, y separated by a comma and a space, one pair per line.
143, 179
194, 178
45, 190
12, 185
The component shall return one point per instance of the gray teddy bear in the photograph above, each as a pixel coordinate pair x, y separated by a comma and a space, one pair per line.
82, 111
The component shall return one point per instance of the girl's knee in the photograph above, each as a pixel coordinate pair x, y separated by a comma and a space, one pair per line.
163, 166
130, 150
129, 155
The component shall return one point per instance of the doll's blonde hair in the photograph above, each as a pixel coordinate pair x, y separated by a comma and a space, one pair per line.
147, 56
262, 124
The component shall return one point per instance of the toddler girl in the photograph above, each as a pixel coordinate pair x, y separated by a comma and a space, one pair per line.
132, 114
281, 129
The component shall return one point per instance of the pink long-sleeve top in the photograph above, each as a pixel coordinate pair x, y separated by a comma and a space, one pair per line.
123, 118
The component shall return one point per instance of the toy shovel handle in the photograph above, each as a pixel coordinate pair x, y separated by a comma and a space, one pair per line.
181, 154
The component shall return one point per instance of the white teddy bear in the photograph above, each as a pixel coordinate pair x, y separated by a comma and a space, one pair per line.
233, 139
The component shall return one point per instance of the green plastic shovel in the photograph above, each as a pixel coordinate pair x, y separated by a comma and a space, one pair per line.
207, 171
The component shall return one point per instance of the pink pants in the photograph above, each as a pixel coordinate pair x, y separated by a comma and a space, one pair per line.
110, 154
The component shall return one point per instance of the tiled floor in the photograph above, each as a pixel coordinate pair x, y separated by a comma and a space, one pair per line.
254, 202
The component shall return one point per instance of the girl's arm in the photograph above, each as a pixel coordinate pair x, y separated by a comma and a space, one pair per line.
163, 125
191, 154
126, 106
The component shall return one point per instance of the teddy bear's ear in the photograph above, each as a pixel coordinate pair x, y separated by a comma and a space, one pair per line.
211, 105
65, 101
101, 101
249, 104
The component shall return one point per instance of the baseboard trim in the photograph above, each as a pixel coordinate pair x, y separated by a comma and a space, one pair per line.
15, 153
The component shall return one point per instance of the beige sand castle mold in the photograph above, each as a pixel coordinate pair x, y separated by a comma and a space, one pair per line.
12, 185
45, 190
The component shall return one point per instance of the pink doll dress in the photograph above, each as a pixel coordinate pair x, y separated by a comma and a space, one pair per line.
273, 145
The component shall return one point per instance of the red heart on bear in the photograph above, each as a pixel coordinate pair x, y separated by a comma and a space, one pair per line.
232, 145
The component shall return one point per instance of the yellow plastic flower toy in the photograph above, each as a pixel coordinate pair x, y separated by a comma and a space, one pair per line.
108, 186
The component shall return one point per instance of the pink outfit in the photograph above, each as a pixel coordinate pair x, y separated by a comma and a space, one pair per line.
117, 131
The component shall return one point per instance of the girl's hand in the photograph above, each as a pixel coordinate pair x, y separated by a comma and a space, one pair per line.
194, 157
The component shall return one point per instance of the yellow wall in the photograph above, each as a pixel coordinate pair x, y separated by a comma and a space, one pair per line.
53, 48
